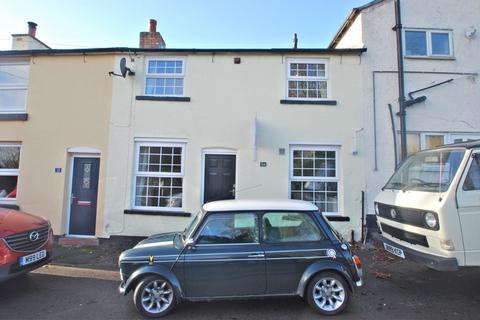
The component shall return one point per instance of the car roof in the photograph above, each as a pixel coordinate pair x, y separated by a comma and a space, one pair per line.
246, 205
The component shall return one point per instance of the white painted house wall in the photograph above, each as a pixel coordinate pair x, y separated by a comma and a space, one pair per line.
226, 98
452, 109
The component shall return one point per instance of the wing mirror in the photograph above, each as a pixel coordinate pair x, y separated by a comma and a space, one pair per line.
189, 243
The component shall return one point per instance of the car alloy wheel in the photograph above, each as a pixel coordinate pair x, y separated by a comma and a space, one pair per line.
154, 297
328, 293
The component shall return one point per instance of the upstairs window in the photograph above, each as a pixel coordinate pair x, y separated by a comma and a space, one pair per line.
428, 43
9, 170
165, 77
307, 80
13, 87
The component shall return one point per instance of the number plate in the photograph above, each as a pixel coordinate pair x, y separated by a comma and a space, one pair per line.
34, 257
393, 250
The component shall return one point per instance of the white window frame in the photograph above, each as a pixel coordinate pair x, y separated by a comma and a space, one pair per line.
11, 172
164, 75
137, 173
336, 179
428, 35
307, 78
15, 87
448, 137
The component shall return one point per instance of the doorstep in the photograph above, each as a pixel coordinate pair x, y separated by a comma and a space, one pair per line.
71, 241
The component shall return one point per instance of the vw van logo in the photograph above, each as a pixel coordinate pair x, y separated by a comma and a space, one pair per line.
33, 236
393, 213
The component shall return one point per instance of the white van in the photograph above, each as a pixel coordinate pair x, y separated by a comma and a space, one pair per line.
429, 211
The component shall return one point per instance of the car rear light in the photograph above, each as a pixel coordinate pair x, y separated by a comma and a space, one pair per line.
358, 265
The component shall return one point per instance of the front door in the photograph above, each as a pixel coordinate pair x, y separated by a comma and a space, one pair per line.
219, 177
468, 199
83, 202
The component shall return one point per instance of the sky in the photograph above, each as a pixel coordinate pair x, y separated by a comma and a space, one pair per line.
182, 23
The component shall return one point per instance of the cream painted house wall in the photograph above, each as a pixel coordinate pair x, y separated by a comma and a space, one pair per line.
452, 108
68, 106
225, 100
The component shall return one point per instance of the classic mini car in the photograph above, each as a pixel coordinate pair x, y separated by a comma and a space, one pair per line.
26, 243
243, 249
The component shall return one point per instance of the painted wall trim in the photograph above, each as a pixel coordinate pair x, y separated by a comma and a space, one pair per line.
83, 150
319, 102
155, 98
158, 213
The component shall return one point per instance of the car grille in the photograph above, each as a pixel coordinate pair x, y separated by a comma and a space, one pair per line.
414, 217
406, 236
22, 242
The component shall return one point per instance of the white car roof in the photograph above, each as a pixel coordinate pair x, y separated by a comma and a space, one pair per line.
245, 205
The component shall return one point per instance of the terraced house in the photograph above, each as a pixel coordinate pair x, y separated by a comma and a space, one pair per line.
137, 154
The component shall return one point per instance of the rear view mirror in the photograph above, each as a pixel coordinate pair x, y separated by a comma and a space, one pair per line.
189, 242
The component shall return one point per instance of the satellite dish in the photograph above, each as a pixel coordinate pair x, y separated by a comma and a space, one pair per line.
123, 67
124, 70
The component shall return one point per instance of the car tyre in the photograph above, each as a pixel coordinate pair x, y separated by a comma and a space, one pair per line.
154, 297
328, 293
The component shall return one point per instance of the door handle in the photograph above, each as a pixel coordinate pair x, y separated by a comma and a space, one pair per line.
256, 255
233, 190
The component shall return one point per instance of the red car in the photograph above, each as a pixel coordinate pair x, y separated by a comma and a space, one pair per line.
26, 243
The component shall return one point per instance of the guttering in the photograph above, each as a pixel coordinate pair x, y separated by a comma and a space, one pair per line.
182, 50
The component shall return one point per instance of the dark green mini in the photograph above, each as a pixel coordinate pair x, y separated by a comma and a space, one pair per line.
243, 249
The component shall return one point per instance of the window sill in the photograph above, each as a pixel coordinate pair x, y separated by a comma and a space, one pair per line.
13, 116
158, 213
9, 206
430, 58
321, 102
156, 98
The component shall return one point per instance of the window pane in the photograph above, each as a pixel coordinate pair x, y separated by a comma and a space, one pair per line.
13, 99
440, 43
14, 75
432, 141
158, 192
165, 66
229, 228
472, 181
8, 187
413, 143
415, 43
289, 227
9, 157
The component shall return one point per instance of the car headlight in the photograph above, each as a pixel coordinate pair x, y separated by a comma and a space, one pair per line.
377, 211
431, 220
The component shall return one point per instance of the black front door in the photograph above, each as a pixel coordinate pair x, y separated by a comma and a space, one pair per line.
219, 177
83, 205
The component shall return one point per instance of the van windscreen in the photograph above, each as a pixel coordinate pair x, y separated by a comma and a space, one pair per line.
430, 171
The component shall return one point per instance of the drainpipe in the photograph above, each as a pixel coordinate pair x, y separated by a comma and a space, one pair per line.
401, 81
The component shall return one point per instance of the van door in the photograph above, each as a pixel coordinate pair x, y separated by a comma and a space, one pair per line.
468, 198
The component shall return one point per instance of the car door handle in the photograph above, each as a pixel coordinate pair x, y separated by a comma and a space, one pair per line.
256, 255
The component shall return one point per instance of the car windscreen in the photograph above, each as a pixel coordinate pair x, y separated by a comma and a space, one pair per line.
430, 171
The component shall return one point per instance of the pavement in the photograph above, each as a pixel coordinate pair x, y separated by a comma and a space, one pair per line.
82, 284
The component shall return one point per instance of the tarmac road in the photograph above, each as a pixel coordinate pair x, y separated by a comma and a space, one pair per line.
412, 292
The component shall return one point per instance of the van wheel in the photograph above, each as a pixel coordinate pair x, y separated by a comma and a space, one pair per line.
154, 297
328, 293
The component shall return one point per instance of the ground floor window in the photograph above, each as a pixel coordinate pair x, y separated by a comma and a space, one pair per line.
159, 173
417, 141
314, 176
9, 170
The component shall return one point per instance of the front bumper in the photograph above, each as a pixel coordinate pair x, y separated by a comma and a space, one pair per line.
430, 260
12, 270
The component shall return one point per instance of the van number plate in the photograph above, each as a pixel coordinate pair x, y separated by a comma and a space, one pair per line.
394, 250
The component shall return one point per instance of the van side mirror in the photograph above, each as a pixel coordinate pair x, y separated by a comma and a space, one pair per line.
190, 243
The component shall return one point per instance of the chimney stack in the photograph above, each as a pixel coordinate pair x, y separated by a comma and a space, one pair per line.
32, 28
151, 39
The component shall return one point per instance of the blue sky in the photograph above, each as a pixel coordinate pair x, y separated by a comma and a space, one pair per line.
183, 23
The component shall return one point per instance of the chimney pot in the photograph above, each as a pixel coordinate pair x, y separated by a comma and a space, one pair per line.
153, 25
32, 28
